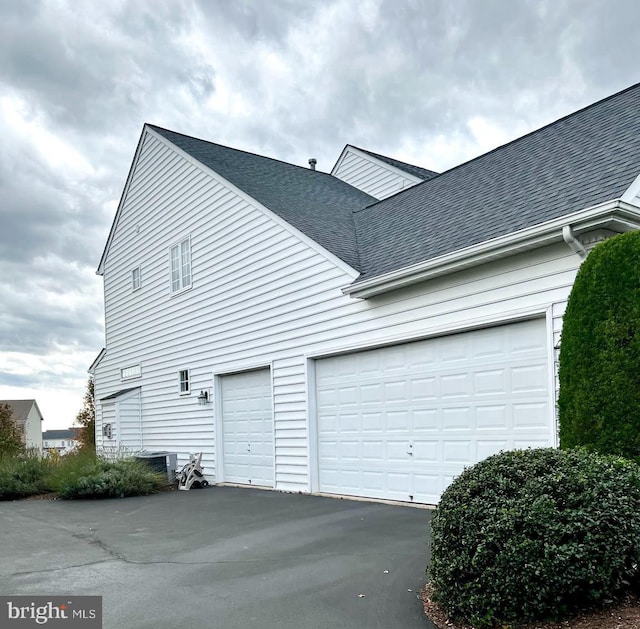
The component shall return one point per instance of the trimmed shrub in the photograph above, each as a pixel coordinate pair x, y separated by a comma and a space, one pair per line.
599, 401
535, 535
89, 476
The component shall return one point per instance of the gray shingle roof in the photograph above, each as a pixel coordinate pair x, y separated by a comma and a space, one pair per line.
58, 434
417, 171
117, 394
20, 409
319, 205
576, 162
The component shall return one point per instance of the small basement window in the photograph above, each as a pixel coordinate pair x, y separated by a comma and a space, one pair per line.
183, 377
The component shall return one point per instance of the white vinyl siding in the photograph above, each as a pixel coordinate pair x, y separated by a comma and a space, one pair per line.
372, 175
181, 266
124, 415
264, 296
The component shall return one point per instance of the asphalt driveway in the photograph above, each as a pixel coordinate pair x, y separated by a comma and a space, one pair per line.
223, 558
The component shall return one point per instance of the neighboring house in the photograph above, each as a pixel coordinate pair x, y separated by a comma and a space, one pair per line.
64, 441
307, 336
28, 418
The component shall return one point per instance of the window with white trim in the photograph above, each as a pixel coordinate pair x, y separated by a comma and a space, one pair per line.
135, 278
133, 371
183, 378
181, 265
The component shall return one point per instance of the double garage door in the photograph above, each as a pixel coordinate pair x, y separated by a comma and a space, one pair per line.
401, 422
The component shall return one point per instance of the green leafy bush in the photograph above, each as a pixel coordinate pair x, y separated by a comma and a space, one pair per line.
599, 400
538, 534
92, 477
78, 475
23, 476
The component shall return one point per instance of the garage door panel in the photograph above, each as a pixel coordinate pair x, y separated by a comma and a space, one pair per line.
456, 418
426, 451
529, 379
247, 428
417, 414
492, 417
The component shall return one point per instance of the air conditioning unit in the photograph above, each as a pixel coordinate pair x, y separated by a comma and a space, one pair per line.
163, 462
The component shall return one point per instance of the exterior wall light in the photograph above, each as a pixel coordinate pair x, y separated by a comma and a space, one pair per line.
203, 398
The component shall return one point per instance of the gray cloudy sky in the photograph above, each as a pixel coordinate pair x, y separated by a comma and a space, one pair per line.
432, 82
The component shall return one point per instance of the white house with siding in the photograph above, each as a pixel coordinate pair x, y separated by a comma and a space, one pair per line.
62, 441
28, 418
367, 332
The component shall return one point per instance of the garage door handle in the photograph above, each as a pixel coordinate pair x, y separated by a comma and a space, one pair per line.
410, 450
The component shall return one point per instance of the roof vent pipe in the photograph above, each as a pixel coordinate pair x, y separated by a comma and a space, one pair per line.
312, 163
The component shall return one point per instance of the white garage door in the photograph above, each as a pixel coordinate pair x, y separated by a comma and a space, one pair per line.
247, 428
401, 422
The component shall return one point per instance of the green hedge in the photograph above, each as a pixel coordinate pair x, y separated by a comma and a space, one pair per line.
599, 399
533, 535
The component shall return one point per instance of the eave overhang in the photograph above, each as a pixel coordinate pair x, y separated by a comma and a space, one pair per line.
616, 216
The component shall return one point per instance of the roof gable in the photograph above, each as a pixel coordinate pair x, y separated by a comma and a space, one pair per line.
581, 160
417, 171
21, 408
315, 203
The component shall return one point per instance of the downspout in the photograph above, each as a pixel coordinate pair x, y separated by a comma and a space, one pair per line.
576, 246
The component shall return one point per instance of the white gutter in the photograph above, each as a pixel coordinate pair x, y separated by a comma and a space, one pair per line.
576, 246
615, 215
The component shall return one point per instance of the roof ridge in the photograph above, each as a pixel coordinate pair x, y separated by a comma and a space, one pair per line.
511, 142
231, 148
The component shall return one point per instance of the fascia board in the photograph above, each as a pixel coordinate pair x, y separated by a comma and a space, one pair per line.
632, 191
125, 191
97, 361
349, 270
340, 159
613, 214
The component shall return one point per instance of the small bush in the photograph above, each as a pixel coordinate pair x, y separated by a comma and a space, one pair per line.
91, 477
535, 535
599, 398
23, 476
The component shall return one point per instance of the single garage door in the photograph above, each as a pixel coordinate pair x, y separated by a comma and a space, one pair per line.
401, 422
247, 428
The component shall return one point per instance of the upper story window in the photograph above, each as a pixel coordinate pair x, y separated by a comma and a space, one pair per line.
183, 377
181, 265
135, 278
